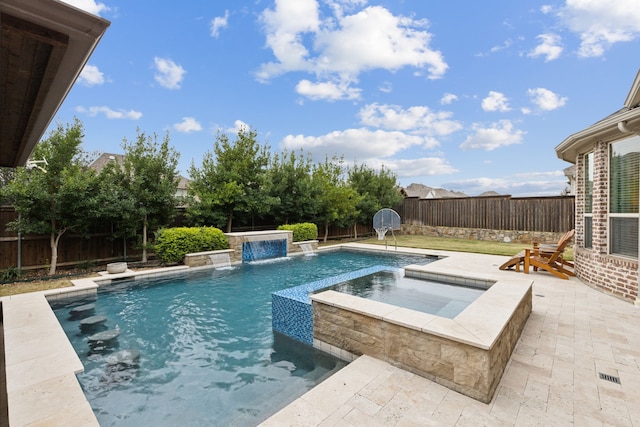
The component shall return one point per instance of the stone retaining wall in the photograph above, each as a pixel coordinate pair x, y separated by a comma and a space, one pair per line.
481, 234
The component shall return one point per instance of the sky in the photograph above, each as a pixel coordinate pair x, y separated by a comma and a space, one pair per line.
463, 95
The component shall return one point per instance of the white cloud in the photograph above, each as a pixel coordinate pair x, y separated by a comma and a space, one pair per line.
546, 9
448, 98
328, 91
187, 125
342, 46
109, 113
528, 184
91, 76
499, 134
507, 44
218, 23
238, 126
549, 47
495, 101
374, 38
425, 166
168, 73
355, 144
386, 87
90, 6
600, 24
545, 99
416, 119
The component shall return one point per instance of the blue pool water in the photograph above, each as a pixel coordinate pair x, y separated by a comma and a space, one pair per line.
438, 298
207, 352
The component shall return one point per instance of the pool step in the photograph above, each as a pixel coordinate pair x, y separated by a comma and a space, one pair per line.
104, 340
92, 323
82, 311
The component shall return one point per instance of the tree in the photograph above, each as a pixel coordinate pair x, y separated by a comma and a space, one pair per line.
231, 182
60, 194
119, 203
6, 176
377, 190
336, 200
149, 179
290, 182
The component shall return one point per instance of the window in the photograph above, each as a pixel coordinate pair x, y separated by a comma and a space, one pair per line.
588, 200
624, 190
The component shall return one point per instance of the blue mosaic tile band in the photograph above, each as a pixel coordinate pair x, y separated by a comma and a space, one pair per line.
264, 249
291, 309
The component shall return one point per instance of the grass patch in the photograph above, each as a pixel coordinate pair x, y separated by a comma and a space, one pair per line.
33, 286
458, 245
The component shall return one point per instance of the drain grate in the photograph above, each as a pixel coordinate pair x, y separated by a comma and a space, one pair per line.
609, 378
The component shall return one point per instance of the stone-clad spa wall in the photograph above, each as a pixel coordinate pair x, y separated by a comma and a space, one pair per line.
420, 343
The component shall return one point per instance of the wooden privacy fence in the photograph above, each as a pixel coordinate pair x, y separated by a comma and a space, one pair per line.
33, 251
542, 214
535, 214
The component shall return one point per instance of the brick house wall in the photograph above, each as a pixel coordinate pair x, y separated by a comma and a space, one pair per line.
614, 275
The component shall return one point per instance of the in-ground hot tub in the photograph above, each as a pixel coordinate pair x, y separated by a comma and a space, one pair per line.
467, 353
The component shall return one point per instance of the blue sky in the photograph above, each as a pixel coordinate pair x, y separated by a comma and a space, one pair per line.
469, 96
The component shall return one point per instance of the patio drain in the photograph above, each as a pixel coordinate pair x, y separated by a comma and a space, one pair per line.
609, 378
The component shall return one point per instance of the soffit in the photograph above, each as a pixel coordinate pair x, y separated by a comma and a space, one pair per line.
44, 44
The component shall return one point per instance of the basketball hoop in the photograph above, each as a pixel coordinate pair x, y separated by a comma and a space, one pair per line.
381, 232
384, 220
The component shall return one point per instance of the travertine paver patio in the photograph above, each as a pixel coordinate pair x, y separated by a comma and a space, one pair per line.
574, 333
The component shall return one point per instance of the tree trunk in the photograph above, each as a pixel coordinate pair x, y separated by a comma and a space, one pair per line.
53, 243
326, 231
144, 239
229, 222
355, 230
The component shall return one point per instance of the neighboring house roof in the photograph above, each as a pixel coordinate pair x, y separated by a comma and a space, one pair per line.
99, 164
105, 158
617, 125
422, 191
183, 183
488, 194
44, 45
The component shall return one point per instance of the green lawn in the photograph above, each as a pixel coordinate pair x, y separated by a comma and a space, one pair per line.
457, 245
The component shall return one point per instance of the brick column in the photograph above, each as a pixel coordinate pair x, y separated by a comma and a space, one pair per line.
600, 197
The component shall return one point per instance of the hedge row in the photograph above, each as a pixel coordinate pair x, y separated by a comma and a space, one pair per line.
302, 231
172, 244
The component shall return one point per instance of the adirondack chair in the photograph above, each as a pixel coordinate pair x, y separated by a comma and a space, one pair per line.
552, 262
544, 250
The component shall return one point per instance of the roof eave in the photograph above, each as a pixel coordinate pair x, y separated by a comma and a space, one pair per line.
84, 31
604, 130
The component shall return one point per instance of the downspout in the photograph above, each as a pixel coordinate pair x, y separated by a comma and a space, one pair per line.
622, 127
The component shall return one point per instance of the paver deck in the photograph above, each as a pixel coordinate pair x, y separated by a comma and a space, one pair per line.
574, 333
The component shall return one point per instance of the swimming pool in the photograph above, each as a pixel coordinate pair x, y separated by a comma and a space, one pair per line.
428, 296
208, 355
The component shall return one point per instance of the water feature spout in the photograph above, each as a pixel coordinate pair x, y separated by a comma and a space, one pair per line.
221, 260
307, 248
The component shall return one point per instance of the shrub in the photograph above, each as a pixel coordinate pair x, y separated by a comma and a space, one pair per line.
172, 244
10, 274
302, 231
